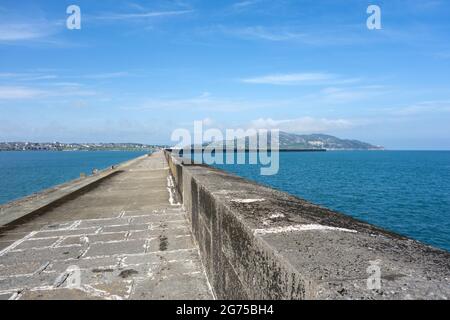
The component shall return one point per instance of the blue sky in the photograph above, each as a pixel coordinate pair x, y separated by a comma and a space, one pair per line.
137, 70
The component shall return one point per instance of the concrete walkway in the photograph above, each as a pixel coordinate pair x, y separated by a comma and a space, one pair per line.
125, 239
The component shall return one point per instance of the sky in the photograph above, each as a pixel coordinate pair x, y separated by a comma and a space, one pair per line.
137, 70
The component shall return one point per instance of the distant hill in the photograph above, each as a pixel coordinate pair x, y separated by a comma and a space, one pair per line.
322, 141
292, 141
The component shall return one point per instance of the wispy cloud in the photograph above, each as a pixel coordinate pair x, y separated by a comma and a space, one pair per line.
109, 75
39, 76
262, 33
19, 93
326, 97
140, 15
303, 124
345, 95
330, 95
244, 4
43, 30
203, 102
65, 84
321, 35
27, 27
27, 92
289, 79
299, 79
31, 76
10, 32
420, 108
420, 6
101, 130
208, 102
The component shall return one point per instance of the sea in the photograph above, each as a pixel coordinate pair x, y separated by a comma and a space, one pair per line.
407, 192
25, 172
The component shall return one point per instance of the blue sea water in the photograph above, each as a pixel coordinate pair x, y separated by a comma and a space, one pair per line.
407, 192
25, 172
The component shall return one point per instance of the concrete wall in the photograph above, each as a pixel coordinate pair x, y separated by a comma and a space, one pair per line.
259, 243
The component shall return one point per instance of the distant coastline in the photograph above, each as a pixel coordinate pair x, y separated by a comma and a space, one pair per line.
58, 146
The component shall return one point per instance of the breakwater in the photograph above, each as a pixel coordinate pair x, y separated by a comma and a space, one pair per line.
259, 243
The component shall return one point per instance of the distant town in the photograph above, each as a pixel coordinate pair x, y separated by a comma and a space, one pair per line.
58, 146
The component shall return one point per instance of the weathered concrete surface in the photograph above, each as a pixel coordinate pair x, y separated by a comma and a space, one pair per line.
42, 201
128, 236
259, 243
